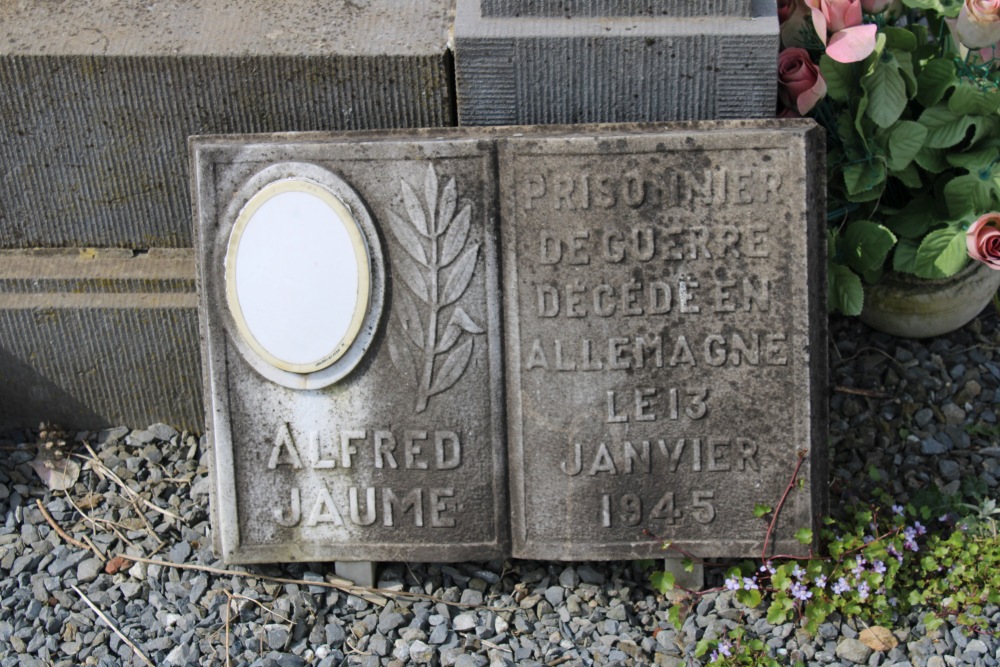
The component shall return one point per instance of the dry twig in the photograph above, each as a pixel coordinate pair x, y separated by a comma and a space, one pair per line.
111, 625
59, 531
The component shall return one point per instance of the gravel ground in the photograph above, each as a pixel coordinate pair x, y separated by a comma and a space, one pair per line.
902, 407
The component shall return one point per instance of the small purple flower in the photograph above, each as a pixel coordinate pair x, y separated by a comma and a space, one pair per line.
821, 581
800, 592
841, 586
750, 584
910, 533
911, 545
859, 566
798, 573
921, 530
733, 583
943, 518
724, 649
767, 567
714, 657
863, 591
867, 539
897, 510
879, 567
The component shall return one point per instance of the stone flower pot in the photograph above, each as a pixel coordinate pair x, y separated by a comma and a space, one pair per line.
911, 307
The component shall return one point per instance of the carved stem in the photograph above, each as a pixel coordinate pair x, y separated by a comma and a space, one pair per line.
429, 350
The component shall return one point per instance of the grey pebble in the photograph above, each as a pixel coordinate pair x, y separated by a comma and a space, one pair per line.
853, 650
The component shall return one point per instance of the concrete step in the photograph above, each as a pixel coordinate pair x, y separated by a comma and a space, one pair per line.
99, 99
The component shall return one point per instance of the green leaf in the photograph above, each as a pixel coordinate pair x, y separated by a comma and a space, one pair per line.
776, 614
674, 616
968, 194
937, 76
864, 176
760, 510
945, 128
905, 141
886, 91
702, 647
899, 38
942, 253
944, 8
844, 291
910, 177
840, 78
974, 160
933, 160
968, 99
865, 245
662, 582
687, 564
904, 258
804, 535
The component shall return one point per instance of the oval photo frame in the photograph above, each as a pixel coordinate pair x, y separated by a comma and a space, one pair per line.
322, 268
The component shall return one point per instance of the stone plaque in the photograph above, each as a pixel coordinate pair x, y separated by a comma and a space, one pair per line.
352, 344
662, 346
664, 309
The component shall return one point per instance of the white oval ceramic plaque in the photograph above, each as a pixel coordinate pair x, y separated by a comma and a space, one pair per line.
298, 275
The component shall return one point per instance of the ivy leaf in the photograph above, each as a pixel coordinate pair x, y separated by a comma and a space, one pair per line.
886, 91
934, 81
942, 253
945, 128
865, 245
663, 582
776, 614
905, 141
844, 290
804, 536
760, 510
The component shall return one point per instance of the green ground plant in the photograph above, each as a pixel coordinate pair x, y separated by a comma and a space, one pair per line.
879, 560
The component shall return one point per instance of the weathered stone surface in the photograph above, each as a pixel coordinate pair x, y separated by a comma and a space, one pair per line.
98, 338
608, 8
665, 342
603, 65
402, 458
99, 99
666, 357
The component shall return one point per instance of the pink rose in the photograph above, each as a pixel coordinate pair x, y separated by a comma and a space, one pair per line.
983, 240
850, 41
800, 84
978, 24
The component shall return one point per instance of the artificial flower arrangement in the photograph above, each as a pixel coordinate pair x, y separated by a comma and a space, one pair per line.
909, 93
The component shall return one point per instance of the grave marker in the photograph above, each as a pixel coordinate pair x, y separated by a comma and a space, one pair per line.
663, 333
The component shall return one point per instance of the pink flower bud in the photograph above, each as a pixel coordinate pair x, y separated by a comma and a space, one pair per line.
978, 24
800, 84
983, 240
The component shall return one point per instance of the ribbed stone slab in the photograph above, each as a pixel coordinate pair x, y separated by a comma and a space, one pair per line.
607, 8
665, 335
396, 451
99, 338
99, 99
597, 69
